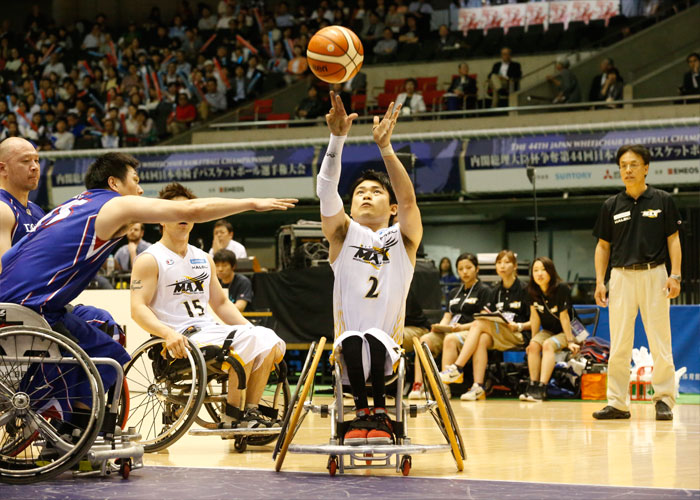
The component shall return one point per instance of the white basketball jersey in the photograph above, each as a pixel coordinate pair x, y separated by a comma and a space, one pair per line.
182, 293
372, 276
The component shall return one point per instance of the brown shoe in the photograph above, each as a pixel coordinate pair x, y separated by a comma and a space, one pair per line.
610, 413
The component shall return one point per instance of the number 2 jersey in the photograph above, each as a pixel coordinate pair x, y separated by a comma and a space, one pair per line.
52, 265
372, 276
182, 292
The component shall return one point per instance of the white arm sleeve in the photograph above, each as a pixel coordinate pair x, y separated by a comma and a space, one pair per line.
329, 176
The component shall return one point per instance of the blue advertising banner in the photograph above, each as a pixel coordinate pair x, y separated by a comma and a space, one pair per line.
286, 172
585, 160
436, 168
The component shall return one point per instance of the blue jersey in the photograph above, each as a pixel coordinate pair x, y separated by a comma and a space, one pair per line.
25, 217
55, 263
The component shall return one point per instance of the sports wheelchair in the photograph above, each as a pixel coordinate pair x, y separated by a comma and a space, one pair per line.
371, 456
41, 438
167, 396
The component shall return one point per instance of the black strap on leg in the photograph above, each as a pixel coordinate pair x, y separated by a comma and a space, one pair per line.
268, 411
228, 360
234, 412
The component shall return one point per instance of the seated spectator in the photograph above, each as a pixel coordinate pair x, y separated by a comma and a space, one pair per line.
223, 240
311, 106
61, 138
394, 19
504, 77
239, 87
565, 83
447, 43
55, 66
185, 114
463, 302
240, 289
215, 98
385, 49
510, 298
411, 101
278, 62
283, 18
551, 309
613, 86
372, 30
110, 136
409, 39
145, 128
594, 94
135, 244
448, 280
462, 91
207, 20
691, 80
254, 74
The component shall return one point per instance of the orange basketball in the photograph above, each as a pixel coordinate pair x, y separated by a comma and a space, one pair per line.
335, 54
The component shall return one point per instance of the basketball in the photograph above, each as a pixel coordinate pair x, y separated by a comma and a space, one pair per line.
335, 54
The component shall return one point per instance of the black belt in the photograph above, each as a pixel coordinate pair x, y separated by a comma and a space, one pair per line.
640, 267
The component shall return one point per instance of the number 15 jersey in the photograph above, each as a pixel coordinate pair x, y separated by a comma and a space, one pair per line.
372, 276
182, 292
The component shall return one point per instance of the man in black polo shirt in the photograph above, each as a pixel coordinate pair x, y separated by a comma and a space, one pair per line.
240, 289
637, 232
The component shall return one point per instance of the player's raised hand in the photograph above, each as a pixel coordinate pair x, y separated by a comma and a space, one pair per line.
382, 130
338, 120
267, 204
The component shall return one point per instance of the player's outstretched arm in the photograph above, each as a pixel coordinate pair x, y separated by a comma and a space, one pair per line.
408, 214
121, 211
334, 220
144, 281
220, 303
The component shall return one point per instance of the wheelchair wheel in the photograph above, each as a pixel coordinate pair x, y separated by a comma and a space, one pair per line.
42, 432
165, 395
444, 417
306, 380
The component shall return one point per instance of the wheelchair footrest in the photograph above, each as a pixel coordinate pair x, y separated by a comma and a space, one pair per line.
264, 431
386, 449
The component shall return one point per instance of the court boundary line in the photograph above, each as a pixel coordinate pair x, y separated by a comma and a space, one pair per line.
426, 477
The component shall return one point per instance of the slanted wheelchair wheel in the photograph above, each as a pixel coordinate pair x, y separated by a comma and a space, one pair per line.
42, 432
444, 417
306, 380
165, 395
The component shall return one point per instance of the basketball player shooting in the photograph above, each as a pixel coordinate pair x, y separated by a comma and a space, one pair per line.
373, 255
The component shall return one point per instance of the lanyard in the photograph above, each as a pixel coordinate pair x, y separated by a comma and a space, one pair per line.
468, 294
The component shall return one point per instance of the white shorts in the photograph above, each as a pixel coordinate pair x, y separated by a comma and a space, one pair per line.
249, 342
393, 351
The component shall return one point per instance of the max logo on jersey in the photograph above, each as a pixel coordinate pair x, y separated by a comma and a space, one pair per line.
374, 256
190, 285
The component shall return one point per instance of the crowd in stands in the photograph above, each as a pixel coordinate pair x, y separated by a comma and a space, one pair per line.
92, 84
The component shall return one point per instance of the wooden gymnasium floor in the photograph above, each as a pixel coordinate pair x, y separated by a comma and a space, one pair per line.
515, 450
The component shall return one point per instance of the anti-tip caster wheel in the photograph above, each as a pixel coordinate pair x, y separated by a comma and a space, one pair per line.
405, 465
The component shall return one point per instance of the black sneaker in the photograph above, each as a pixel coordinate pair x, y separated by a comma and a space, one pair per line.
663, 411
253, 419
610, 413
525, 396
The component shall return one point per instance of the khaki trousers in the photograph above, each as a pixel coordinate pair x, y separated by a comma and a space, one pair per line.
632, 291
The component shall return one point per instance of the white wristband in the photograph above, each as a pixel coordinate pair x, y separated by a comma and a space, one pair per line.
386, 150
